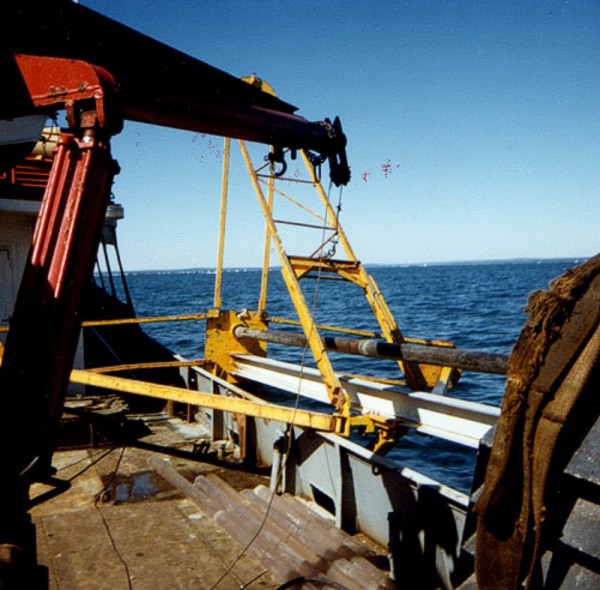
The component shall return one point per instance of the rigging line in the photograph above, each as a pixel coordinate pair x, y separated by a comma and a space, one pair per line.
58, 485
100, 496
339, 208
289, 427
114, 546
335, 237
113, 475
229, 569
254, 579
226, 567
322, 255
93, 456
97, 458
313, 325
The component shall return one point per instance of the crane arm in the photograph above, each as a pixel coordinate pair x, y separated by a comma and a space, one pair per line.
155, 83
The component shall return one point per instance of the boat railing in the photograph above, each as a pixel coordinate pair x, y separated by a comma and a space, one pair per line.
388, 401
456, 420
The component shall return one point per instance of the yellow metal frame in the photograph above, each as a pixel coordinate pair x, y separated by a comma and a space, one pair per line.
222, 224
221, 344
247, 406
336, 394
293, 268
387, 430
315, 420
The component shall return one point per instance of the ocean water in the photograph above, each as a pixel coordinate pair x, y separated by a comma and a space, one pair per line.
476, 306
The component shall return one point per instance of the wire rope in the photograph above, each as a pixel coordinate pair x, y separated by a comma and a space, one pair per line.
289, 426
101, 497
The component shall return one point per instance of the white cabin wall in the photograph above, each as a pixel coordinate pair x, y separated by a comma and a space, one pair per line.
17, 222
16, 231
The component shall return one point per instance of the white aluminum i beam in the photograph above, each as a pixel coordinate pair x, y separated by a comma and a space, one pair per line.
452, 419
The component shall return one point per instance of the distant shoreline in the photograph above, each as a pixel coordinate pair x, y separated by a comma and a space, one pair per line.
211, 270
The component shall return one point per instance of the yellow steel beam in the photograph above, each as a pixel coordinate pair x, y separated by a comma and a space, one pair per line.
264, 280
303, 418
222, 223
337, 396
166, 318
305, 264
188, 317
141, 366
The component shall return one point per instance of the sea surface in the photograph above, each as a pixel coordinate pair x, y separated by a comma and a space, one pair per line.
478, 306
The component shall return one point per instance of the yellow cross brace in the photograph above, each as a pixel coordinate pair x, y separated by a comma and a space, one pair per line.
303, 418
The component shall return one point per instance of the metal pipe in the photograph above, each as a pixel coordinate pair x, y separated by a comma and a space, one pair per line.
292, 509
206, 503
276, 537
245, 522
342, 572
264, 278
278, 452
323, 545
468, 360
157, 84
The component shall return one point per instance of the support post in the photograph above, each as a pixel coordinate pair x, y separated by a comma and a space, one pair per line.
222, 225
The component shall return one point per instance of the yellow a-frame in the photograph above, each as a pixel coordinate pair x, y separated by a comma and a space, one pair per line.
264, 179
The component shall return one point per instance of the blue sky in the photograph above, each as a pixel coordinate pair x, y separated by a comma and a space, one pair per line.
487, 112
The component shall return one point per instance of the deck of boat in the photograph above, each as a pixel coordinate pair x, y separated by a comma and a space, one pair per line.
142, 533
122, 525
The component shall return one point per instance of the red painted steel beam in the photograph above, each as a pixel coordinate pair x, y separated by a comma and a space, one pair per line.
41, 344
157, 84
42, 341
44, 331
87, 92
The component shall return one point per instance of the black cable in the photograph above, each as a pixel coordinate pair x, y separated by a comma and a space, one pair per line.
289, 428
60, 486
95, 460
104, 490
100, 496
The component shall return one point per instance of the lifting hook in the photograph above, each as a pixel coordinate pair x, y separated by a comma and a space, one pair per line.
276, 156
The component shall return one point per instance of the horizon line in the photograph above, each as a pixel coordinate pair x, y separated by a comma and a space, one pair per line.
384, 264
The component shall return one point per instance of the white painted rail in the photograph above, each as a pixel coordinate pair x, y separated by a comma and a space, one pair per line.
452, 419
